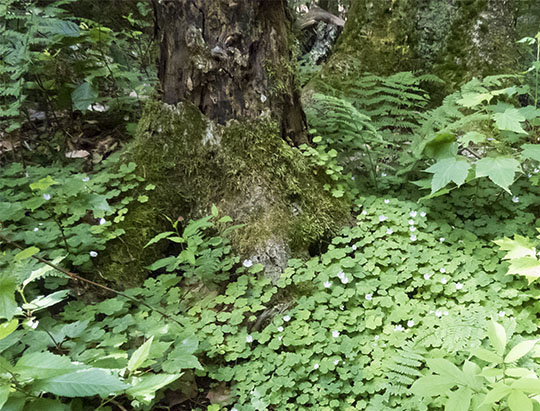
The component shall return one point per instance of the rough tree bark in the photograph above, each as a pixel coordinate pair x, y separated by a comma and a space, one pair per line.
455, 40
224, 131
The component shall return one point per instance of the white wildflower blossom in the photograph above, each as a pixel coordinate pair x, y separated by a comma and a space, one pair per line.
502, 314
354, 247
515, 199
280, 329
411, 222
336, 362
47, 196
344, 280
341, 307
413, 214
280, 338
102, 221
459, 286
398, 328
86, 179
377, 338
427, 276
36, 229
335, 333
442, 239
249, 339
412, 228
413, 237
247, 263
364, 212
386, 201
410, 323
382, 218
446, 313
369, 297
341, 275
315, 366
442, 270
444, 280
93, 254
327, 284
422, 214
383, 174
287, 318
438, 313
389, 231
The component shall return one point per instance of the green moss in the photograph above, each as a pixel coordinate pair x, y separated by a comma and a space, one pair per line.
246, 169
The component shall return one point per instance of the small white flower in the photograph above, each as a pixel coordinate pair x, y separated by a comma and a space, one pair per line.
247, 263
33, 324
398, 328
427, 276
515, 199
287, 318
442, 239
93, 254
342, 307
412, 228
280, 329
502, 314
389, 231
536, 170
280, 338
422, 214
413, 237
382, 218
36, 229
263, 98
316, 366
411, 222
459, 286
442, 270
354, 247
102, 221
86, 179
446, 313
377, 338
352, 178
386, 201
341, 275
444, 280
249, 339
383, 174
327, 284
410, 323
412, 214
438, 313
234, 409
369, 297
336, 362
47, 196
344, 280
335, 334
364, 212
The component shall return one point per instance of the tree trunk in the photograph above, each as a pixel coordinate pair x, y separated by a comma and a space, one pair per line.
231, 59
455, 40
224, 132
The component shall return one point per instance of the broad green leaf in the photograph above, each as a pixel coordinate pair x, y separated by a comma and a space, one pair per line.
159, 237
442, 145
40, 365
64, 28
519, 372
500, 170
162, 262
486, 355
472, 137
432, 386
518, 401
520, 350
26, 253
446, 170
526, 266
8, 305
8, 327
473, 99
530, 385
510, 120
215, 211
4, 392
459, 400
498, 392
140, 355
518, 247
445, 368
497, 336
144, 388
531, 151
82, 383
41, 301
492, 372
83, 96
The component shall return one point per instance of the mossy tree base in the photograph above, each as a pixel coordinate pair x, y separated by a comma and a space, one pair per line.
245, 168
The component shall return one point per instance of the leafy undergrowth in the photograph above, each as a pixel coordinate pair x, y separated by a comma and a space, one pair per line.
349, 329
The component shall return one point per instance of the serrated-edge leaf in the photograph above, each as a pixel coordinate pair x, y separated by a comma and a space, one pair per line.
520, 350
83, 383
140, 355
497, 336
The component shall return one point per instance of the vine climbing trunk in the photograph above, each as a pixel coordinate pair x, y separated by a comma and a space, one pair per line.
225, 130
